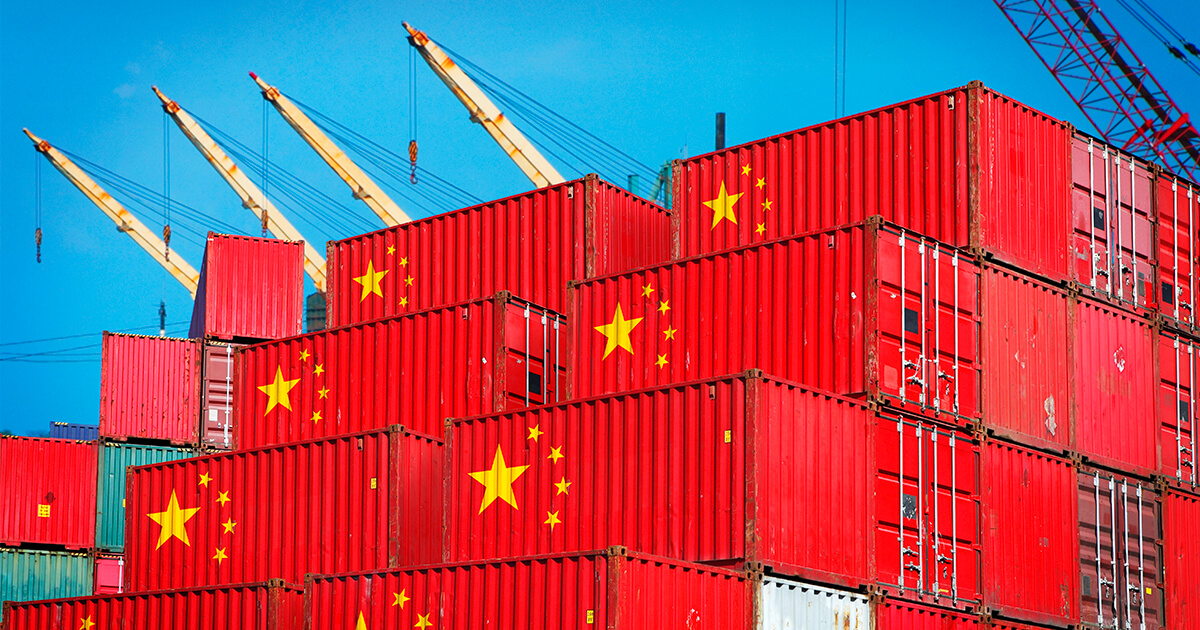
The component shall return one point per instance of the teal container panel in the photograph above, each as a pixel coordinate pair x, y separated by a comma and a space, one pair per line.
30, 575
110, 491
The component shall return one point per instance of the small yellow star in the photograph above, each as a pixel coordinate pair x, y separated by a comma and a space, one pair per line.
423, 621
401, 598
766, 205
722, 207
403, 301
220, 556
404, 261
362, 623
760, 183
746, 170
204, 479
563, 485
223, 498
762, 227
229, 525
408, 281
304, 355
555, 454
323, 392
534, 433
661, 361
391, 249
370, 281
316, 417
669, 333
552, 520
647, 290
319, 370
664, 306
86, 623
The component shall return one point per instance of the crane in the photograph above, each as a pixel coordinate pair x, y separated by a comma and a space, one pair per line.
483, 111
126, 222
252, 197
363, 187
1107, 80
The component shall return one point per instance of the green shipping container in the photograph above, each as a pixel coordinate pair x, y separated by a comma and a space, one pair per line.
29, 575
110, 490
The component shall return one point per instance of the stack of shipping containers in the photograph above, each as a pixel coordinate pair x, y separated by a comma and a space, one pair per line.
930, 366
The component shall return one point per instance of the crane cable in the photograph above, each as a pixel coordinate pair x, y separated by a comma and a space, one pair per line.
166, 231
265, 165
412, 112
37, 233
1163, 39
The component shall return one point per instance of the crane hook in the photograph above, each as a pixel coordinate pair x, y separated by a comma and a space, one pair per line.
412, 157
37, 236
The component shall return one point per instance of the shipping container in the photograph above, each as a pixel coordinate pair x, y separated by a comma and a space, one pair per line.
271, 605
968, 167
1177, 356
359, 501
251, 289
865, 310
893, 614
1113, 240
782, 604
531, 244
73, 431
1120, 551
50, 492
597, 589
110, 491
149, 388
416, 370
1178, 210
1113, 380
1023, 332
110, 574
1181, 564
216, 391
1031, 542
28, 574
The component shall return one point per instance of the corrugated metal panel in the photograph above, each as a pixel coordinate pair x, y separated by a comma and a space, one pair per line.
1114, 382
216, 390
110, 574
72, 431
862, 310
1113, 244
582, 591
28, 574
262, 606
150, 388
531, 244
1177, 205
788, 605
1026, 392
1120, 551
49, 495
1181, 513
110, 491
1177, 412
471, 358
1031, 548
967, 166
250, 289
899, 615
716, 471
360, 501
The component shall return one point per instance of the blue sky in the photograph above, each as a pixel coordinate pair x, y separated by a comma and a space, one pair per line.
646, 77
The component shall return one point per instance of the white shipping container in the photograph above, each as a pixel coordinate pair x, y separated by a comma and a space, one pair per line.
790, 605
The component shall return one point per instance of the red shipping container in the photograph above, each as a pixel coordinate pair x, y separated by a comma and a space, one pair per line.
49, 496
417, 370
1177, 207
1120, 551
1113, 378
1181, 513
891, 614
359, 501
865, 310
109, 578
1031, 543
597, 589
531, 244
1027, 389
150, 389
216, 395
1177, 373
1113, 242
269, 605
250, 289
968, 167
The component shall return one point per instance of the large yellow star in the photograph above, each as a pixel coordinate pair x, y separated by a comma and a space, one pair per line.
370, 281
497, 482
173, 521
617, 333
722, 206
277, 391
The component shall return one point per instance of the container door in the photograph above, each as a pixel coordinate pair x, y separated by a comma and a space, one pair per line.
927, 532
1177, 409
1176, 204
217, 413
534, 371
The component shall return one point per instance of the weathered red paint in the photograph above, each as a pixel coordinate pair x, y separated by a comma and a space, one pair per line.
867, 310
416, 370
250, 289
1031, 543
531, 244
263, 606
49, 495
1177, 206
1181, 561
598, 589
1177, 413
150, 388
109, 578
358, 501
893, 614
967, 166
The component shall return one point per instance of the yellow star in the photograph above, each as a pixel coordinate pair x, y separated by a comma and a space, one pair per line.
664, 306
647, 290
173, 521
316, 417
277, 392
563, 486
228, 525
220, 556
762, 227
370, 281
304, 355
746, 169
223, 498
497, 482
401, 598
403, 301
362, 623
555, 454
766, 205
552, 520
408, 281
760, 183
669, 333
204, 479
722, 206
661, 361
323, 392
404, 261
319, 370
617, 333
534, 433
391, 249
86, 623
423, 621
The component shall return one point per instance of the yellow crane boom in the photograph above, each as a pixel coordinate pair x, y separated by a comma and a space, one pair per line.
363, 187
126, 222
252, 197
518, 148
